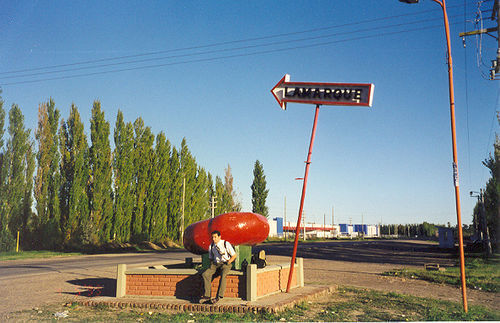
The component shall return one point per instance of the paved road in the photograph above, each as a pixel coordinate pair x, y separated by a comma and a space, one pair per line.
388, 252
20, 268
30, 283
394, 252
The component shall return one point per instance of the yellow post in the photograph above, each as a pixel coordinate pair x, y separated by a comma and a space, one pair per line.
17, 246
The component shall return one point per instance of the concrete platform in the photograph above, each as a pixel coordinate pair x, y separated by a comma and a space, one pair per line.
272, 304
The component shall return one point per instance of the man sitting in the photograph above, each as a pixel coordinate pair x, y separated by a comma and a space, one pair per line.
221, 254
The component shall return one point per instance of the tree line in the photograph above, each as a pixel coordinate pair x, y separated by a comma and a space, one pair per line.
421, 230
486, 215
63, 191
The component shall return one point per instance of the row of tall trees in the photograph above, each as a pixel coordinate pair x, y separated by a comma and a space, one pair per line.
17, 163
85, 193
422, 230
486, 216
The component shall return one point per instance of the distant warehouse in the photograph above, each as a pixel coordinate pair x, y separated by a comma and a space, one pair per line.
278, 228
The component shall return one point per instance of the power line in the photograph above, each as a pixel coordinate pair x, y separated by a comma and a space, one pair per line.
219, 50
495, 118
467, 95
218, 44
224, 57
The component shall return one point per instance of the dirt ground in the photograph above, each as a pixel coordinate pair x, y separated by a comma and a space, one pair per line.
360, 264
323, 265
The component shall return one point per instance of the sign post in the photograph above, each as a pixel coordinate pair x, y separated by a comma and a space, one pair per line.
345, 94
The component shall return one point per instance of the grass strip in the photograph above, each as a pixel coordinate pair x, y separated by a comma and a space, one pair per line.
354, 304
12, 255
481, 274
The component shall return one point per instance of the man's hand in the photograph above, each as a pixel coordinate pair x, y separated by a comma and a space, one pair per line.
233, 258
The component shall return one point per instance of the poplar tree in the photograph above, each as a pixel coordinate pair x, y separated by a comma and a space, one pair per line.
224, 200
202, 198
160, 185
492, 195
229, 185
2, 154
47, 179
143, 149
100, 194
2, 124
174, 196
28, 216
259, 191
123, 167
188, 174
19, 159
75, 223
6, 239
211, 193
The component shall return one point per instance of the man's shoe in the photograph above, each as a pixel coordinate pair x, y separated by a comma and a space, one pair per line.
214, 301
205, 300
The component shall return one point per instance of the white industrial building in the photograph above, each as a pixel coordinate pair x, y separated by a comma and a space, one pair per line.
277, 228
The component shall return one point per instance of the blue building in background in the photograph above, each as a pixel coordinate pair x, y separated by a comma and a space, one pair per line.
279, 226
361, 228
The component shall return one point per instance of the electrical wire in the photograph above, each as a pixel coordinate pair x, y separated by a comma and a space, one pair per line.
495, 118
219, 43
225, 57
467, 96
221, 50
479, 42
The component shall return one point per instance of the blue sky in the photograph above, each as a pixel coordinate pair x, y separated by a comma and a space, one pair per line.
391, 163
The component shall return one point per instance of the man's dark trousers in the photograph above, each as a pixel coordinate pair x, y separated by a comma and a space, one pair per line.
207, 279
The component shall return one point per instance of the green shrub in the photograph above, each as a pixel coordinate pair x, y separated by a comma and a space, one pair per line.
7, 241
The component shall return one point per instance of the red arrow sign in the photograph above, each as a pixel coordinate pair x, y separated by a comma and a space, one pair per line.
322, 93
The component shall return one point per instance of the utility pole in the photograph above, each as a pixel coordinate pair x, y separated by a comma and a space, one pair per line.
213, 202
324, 225
484, 226
284, 212
481, 223
304, 223
363, 225
332, 218
496, 12
495, 64
183, 198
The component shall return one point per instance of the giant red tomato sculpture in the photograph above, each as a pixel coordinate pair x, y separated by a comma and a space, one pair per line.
239, 228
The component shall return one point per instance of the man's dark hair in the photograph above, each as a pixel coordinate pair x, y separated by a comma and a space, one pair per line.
215, 232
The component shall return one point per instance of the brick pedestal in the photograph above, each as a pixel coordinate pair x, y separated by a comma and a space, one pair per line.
249, 285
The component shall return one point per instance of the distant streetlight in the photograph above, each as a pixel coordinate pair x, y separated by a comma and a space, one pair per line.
481, 225
301, 213
442, 3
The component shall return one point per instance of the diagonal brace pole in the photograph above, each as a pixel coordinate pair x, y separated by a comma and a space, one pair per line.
297, 229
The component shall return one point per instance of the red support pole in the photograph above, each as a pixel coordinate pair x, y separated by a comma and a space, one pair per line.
306, 173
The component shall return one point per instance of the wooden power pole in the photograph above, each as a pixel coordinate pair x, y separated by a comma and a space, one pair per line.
495, 64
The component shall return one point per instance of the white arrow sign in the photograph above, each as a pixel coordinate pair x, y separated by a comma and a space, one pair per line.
322, 93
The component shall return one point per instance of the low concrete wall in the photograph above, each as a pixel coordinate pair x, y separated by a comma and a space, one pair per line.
188, 283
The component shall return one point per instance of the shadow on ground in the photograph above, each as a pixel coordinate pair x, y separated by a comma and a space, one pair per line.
94, 287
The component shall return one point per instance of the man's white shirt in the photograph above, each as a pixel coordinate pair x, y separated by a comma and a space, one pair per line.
222, 252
